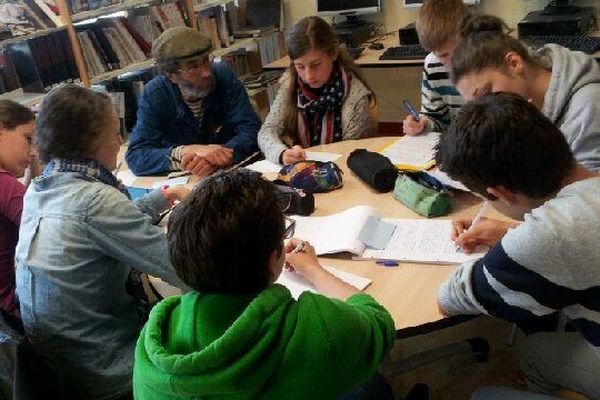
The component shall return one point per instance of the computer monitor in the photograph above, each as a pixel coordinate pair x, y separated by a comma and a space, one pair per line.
348, 8
418, 3
559, 7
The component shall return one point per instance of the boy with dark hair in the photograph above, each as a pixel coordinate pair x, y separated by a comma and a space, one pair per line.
239, 335
438, 27
502, 147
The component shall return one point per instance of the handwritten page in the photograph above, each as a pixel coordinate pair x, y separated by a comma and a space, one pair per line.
265, 166
413, 152
297, 284
335, 233
422, 241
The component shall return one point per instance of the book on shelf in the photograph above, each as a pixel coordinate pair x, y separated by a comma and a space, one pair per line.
271, 47
360, 231
18, 19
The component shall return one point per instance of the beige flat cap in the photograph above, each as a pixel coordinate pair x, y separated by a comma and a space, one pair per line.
180, 43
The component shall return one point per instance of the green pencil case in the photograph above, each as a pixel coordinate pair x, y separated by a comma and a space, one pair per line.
423, 194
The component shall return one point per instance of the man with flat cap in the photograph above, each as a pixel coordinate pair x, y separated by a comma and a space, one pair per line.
195, 116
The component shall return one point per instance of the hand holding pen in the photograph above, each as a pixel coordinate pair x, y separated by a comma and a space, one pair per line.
300, 256
470, 233
413, 124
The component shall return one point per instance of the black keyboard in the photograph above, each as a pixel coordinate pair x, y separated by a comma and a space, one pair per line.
355, 52
405, 52
587, 44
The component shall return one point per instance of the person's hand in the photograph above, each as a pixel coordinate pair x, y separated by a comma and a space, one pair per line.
197, 164
175, 193
215, 154
304, 261
412, 127
486, 232
294, 154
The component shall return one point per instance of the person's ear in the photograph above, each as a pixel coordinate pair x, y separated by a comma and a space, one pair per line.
514, 63
502, 194
276, 262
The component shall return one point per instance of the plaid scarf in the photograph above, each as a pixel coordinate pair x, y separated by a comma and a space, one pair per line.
87, 167
320, 116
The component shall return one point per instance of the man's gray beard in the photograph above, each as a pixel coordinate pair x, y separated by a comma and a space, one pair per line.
192, 93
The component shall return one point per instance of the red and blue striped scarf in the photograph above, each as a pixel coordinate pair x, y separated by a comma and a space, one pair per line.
320, 115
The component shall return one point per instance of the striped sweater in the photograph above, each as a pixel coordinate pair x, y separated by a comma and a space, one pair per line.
440, 100
550, 262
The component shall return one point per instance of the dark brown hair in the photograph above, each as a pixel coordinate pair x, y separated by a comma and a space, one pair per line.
222, 235
12, 114
485, 41
313, 33
502, 139
72, 122
439, 21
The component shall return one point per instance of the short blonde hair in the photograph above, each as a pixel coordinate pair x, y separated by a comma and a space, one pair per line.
439, 21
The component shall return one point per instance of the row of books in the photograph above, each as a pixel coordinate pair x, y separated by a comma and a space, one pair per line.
38, 63
215, 23
114, 43
271, 47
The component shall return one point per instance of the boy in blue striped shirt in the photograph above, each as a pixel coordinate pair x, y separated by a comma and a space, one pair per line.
503, 148
438, 26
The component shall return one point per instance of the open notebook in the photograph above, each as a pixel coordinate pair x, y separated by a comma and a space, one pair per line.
414, 153
414, 240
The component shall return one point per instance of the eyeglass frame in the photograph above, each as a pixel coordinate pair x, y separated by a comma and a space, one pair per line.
207, 61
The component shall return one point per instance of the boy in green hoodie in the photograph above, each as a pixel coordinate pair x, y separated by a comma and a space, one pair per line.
238, 335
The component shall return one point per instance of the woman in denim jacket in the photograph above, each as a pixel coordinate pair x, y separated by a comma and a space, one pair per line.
80, 238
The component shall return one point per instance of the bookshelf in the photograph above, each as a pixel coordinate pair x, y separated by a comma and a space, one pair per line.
90, 62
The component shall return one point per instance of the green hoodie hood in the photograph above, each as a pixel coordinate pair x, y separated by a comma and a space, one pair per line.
266, 345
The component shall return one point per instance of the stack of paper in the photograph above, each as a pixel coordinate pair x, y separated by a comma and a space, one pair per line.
297, 284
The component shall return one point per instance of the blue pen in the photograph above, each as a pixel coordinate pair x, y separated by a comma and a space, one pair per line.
411, 110
387, 263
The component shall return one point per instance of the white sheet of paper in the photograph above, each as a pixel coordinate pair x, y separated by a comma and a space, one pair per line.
413, 151
335, 233
297, 284
446, 180
182, 180
321, 156
126, 177
422, 241
265, 166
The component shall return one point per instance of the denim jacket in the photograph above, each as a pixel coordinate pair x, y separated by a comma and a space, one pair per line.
164, 121
78, 240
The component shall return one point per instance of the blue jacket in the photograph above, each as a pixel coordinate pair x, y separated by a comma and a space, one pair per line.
164, 121
78, 241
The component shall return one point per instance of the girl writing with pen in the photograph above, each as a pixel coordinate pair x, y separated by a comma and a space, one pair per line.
323, 97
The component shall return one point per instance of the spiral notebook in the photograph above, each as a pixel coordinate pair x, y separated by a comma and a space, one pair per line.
413, 153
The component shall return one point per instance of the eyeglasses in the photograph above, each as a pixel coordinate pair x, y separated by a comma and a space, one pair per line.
290, 226
195, 66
